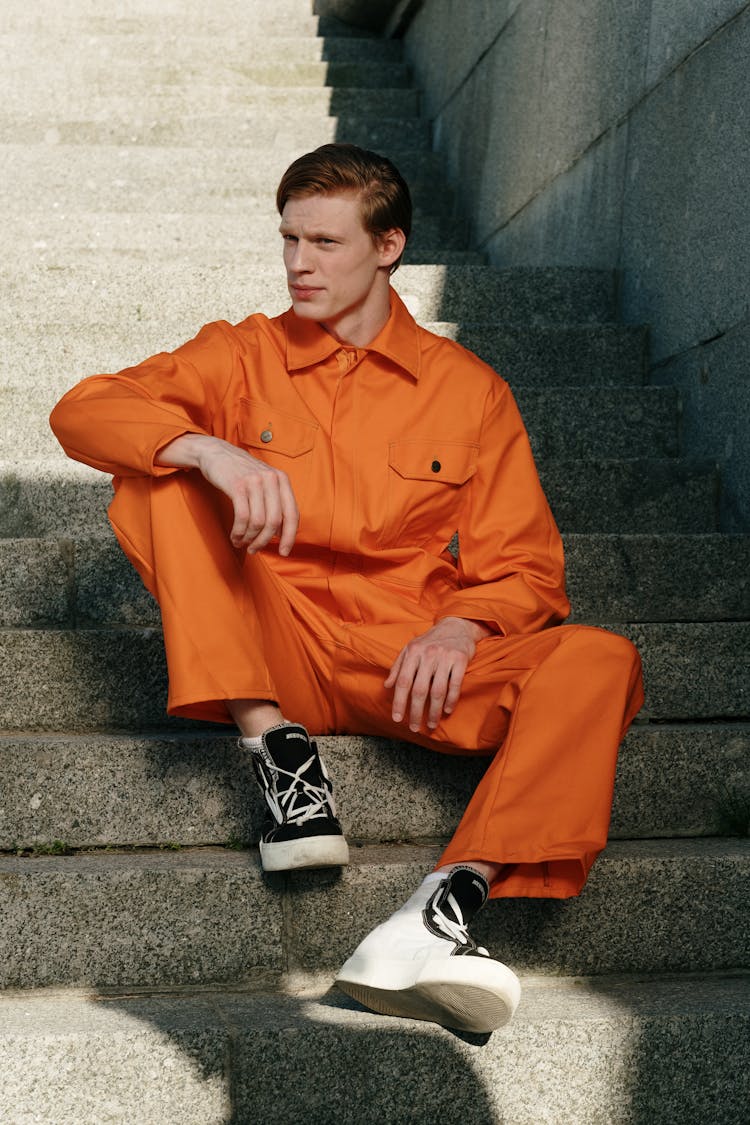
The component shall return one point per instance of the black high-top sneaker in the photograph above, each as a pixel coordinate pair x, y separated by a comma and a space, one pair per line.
302, 830
422, 962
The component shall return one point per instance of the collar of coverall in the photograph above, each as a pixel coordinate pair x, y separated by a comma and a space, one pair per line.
308, 343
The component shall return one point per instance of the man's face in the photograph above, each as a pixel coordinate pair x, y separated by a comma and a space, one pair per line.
335, 271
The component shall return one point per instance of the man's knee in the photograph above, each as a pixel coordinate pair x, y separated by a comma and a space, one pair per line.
181, 500
600, 647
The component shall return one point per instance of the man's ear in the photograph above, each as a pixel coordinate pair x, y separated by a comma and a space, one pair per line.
390, 245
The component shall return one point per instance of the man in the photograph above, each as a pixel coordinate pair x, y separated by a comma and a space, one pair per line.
287, 489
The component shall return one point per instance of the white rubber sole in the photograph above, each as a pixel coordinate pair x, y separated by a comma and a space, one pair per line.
312, 851
466, 993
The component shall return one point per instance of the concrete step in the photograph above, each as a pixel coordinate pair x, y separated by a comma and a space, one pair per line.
571, 355
95, 293
245, 127
232, 98
597, 422
282, 18
600, 355
562, 422
208, 916
83, 680
196, 788
88, 582
115, 73
658, 577
58, 497
77, 178
236, 46
580, 1051
628, 497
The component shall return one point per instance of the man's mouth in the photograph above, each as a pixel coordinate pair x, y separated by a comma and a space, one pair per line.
304, 292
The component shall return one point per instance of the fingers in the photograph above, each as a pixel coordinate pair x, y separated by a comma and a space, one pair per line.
395, 668
454, 687
241, 520
402, 680
438, 691
264, 518
262, 497
425, 677
289, 516
273, 511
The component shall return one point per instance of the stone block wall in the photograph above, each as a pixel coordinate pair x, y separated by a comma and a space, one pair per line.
614, 133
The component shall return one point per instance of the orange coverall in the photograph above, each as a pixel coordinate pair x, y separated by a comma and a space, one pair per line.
389, 449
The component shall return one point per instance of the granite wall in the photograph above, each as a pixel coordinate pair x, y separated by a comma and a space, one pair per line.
615, 133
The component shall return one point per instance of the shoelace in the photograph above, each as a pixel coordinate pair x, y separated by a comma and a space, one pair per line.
287, 804
454, 928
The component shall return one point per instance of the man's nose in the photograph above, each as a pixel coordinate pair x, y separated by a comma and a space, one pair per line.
299, 259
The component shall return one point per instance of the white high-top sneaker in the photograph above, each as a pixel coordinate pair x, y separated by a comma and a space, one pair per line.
423, 964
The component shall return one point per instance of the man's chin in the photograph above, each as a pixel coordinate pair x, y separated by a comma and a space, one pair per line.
305, 308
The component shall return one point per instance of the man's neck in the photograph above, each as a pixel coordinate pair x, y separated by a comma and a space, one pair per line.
359, 330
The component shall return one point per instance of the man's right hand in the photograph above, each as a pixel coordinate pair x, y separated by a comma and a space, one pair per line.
262, 497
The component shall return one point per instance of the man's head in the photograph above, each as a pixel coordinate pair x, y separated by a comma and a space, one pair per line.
345, 215
334, 169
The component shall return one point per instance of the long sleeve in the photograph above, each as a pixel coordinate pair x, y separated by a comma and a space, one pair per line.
118, 423
510, 565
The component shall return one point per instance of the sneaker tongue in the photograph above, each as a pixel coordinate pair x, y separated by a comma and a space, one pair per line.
289, 746
469, 889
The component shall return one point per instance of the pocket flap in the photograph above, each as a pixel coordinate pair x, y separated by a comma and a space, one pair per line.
451, 462
265, 427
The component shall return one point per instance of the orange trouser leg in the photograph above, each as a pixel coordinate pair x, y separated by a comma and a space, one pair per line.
543, 806
230, 631
557, 704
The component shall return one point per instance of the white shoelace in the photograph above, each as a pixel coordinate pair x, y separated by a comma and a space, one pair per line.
300, 800
455, 930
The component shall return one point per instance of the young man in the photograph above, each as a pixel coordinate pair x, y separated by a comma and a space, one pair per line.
287, 489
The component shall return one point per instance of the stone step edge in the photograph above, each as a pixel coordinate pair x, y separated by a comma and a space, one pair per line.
123, 920
244, 36
190, 789
421, 855
315, 984
206, 732
196, 1056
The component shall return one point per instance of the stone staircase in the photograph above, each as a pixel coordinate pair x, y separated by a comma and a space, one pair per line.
150, 973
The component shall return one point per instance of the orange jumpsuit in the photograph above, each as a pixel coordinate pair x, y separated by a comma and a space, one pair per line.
390, 449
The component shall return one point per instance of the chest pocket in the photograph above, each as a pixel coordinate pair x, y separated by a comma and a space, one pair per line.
282, 440
425, 489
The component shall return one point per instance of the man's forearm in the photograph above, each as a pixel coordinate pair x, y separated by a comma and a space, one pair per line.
185, 451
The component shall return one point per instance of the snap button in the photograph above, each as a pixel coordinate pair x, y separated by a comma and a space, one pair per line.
266, 436
436, 466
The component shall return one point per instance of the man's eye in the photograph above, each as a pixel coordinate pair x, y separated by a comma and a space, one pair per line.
289, 238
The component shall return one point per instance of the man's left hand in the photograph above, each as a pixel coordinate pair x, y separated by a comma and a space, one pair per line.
431, 668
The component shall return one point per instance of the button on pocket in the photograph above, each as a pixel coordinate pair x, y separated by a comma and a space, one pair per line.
425, 493
262, 426
282, 440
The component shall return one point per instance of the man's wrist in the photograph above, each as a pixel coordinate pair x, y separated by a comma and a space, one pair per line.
183, 452
477, 629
